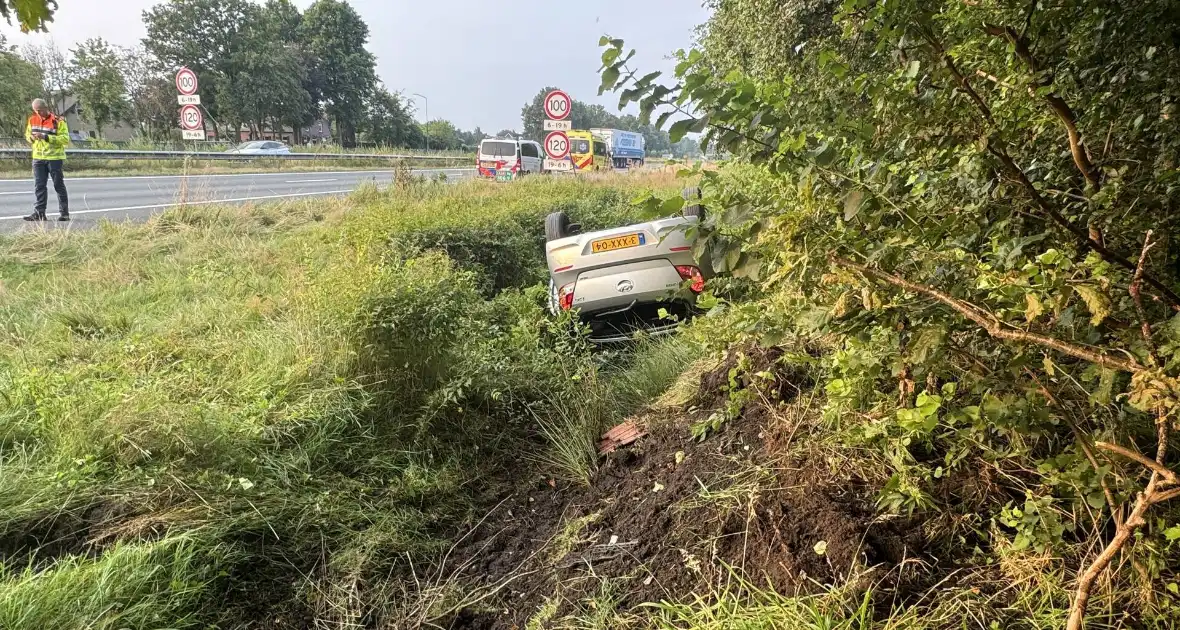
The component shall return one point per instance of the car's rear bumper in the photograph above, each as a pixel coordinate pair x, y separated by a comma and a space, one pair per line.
623, 324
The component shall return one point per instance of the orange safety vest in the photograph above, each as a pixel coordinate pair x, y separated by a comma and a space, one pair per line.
57, 136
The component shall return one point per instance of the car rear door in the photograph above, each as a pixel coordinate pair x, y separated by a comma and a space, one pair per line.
530, 154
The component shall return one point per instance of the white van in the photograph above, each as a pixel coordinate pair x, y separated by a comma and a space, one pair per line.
499, 155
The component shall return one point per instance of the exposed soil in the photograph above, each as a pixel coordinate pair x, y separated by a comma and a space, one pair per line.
664, 516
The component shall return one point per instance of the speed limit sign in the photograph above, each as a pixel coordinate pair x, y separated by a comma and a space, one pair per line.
557, 145
191, 118
557, 105
186, 82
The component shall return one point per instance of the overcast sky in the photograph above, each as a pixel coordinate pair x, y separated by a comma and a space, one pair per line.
477, 61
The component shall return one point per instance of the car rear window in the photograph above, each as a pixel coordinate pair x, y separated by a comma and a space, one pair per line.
505, 149
580, 147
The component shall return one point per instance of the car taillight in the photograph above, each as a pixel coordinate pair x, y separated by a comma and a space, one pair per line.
565, 296
688, 272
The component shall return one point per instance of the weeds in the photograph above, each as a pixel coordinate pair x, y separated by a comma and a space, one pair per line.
232, 413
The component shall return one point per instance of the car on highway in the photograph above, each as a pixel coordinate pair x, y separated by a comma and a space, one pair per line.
505, 158
261, 147
619, 280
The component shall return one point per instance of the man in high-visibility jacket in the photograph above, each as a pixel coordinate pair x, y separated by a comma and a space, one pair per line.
48, 134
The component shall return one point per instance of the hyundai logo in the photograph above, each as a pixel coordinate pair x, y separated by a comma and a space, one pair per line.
624, 286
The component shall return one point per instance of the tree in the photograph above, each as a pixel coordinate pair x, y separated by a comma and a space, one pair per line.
686, 148
265, 88
336, 35
389, 122
280, 22
442, 135
764, 38
98, 83
200, 34
55, 70
21, 84
966, 201
32, 15
282, 19
204, 35
471, 139
151, 94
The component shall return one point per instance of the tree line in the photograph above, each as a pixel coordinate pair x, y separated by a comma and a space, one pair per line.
261, 67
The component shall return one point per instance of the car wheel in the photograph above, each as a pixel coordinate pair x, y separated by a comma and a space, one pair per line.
557, 226
554, 306
693, 209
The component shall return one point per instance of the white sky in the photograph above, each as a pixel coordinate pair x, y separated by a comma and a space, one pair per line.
477, 61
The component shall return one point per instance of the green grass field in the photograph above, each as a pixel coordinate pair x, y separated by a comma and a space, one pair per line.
230, 413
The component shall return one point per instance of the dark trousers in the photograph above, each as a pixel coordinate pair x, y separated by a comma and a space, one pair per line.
43, 170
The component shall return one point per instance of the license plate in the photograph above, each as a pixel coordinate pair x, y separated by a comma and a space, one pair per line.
504, 176
488, 164
617, 242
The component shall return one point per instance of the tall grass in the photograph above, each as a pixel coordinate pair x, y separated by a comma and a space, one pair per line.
628, 383
142, 585
232, 413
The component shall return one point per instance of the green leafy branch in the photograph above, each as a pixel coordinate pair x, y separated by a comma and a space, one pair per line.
31, 15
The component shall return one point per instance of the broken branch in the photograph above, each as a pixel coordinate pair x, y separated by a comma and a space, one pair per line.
1065, 114
1136, 285
992, 324
1155, 466
1083, 235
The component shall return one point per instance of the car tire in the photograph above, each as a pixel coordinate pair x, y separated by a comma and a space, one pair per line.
557, 226
554, 306
693, 209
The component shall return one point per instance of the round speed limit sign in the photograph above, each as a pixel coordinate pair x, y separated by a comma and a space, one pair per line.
557, 105
557, 145
191, 118
186, 82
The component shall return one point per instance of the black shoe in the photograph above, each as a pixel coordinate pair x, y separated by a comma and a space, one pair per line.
36, 216
65, 216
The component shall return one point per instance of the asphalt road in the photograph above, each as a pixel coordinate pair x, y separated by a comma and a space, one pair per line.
93, 199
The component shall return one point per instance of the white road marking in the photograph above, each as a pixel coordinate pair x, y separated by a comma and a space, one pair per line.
192, 203
308, 181
23, 192
388, 171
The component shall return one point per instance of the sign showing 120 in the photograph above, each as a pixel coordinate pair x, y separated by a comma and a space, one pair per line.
190, 117
557, 145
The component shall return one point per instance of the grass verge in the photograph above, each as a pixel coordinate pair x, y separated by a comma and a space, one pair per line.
233, 416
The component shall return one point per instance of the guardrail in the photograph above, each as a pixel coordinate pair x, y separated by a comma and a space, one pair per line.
123, 154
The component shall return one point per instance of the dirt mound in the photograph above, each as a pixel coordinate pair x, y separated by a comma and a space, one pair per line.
665, 517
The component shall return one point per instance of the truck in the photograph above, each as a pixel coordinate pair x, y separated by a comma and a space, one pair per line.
626, 149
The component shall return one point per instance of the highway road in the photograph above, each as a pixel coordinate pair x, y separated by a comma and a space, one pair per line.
136, 198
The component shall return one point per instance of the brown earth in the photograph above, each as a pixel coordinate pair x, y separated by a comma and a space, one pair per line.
663, 518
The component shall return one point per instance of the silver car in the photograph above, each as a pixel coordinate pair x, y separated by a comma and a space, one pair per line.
261, 147
620, 279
